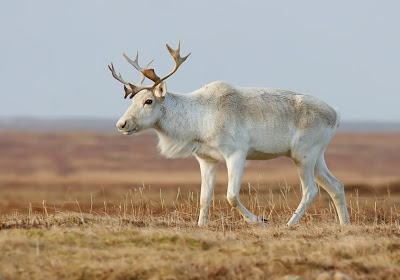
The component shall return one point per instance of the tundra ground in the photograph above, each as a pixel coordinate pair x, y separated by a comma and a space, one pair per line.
138, 237
79, 206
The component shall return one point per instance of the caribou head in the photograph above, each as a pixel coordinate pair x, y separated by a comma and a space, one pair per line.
145, 109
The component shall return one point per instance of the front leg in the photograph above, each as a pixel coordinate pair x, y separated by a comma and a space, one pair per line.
208, 170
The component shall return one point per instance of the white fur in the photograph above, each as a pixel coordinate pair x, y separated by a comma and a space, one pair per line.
220, 122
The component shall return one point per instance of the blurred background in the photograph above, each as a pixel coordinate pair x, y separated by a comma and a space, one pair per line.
59, 103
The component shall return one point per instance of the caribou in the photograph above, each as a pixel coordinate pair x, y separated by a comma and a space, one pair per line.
222, 122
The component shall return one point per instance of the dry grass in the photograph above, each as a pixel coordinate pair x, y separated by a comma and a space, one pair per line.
140, 236
68, 211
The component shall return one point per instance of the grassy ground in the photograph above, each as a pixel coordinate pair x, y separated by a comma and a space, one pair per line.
140, 237
71, 208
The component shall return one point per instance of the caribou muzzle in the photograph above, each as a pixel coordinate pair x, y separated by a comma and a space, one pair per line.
126, 126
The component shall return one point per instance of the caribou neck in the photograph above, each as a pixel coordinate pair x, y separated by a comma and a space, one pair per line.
179, 116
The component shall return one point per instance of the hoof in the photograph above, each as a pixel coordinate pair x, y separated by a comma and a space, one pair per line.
263, 222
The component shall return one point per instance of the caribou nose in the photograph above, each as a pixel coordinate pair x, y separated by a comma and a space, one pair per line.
121, 124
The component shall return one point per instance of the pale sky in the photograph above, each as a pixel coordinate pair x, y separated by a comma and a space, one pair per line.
54, 54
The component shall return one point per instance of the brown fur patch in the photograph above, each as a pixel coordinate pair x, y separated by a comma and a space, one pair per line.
312, 111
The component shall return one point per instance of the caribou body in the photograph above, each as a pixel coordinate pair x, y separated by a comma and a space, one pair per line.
221, 122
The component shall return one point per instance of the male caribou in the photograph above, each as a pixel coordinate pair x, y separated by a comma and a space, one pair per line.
222, 122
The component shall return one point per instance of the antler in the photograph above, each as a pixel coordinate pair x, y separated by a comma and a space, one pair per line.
134, 88
136, 64
148, 73
118, 77
177, 57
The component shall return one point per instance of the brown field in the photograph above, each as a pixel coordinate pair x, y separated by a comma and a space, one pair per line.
105, 206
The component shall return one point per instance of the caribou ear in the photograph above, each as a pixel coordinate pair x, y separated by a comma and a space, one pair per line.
161, 90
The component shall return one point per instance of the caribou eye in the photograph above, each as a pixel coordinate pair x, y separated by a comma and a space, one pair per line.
148, 101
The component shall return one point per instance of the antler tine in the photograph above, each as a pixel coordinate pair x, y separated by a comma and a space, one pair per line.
133, 63
148, 73
114, 74
143, 76
177, 57
127, 92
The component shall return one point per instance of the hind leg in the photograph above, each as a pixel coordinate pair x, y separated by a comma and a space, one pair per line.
235, 166
333, 186
309, 188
